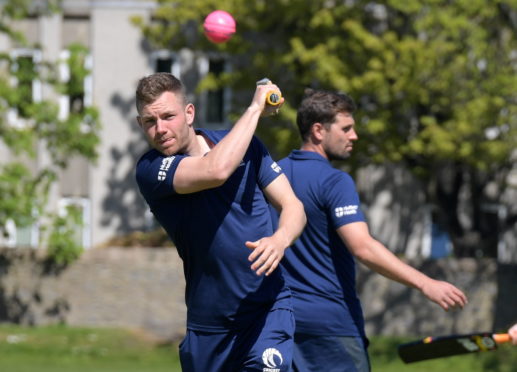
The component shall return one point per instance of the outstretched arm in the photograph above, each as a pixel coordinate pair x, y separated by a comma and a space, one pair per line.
380, 259
196, 173
268, 251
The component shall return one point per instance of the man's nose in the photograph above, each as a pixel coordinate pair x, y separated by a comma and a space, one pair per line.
160, 126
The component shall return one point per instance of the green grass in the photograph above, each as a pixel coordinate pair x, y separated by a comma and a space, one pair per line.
67, 349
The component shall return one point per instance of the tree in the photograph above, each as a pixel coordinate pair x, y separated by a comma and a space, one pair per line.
435, 81
24, 189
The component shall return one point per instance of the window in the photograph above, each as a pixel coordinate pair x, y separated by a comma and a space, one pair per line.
24, 70
166, 61
15, 236
78, 85
215, 104
215, 99
83, 234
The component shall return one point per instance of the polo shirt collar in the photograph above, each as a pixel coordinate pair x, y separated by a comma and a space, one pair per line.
306, 155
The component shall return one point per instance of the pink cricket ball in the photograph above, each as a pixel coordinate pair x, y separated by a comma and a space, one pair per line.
219, 26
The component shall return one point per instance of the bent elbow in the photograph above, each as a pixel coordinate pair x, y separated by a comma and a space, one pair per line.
363, 254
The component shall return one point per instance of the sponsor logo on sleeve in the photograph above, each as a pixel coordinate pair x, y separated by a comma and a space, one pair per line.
164, 167
276, 167
272, 359
346, 210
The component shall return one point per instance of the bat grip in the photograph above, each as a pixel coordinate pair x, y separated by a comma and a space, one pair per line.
273, 98
501, 338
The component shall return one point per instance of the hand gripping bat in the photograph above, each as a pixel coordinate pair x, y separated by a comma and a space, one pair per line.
272, 98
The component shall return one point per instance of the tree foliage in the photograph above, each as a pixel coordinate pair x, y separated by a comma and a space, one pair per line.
38, 126
64, 244
435, 81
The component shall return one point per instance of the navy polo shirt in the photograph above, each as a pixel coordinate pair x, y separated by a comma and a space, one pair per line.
319, 269
209, 229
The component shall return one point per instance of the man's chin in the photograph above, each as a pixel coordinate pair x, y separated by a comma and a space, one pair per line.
344, 156
167, 151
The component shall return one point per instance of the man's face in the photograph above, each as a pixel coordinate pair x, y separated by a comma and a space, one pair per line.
167, 123
339, 137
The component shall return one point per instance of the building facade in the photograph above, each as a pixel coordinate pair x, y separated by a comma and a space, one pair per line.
107, 192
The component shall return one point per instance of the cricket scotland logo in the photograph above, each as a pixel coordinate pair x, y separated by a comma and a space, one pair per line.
276, 167
272, 358
347, 210
164, 167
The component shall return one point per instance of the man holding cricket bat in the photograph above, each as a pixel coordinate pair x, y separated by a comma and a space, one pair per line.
208, 189
320, 267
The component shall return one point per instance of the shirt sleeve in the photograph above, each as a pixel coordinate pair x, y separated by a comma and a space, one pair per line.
155, 173
343, 204
268, 169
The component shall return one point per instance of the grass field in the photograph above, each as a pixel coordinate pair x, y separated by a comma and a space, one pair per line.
65, 349
60, 349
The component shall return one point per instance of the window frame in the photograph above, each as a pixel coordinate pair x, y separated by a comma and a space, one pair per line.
13, 117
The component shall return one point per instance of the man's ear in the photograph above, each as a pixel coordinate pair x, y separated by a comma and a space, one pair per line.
190, 113
139, 121
317, 132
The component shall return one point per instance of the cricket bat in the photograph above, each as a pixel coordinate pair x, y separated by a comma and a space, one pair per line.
444, 346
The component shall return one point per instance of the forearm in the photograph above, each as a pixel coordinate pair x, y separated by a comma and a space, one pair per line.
229, 152
291, 222
380, 259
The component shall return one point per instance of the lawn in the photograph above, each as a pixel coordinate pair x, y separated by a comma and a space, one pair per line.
67, 349
60, 349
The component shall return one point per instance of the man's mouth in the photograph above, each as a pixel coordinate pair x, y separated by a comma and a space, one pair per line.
164, 141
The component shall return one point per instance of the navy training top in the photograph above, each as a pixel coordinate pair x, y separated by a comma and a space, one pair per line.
318, 268
209, 229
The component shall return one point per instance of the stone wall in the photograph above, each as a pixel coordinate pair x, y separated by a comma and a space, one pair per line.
142, 288
393, 309
139, 288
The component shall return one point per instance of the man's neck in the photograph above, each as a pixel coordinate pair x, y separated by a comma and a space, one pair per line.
309, 146
202, 145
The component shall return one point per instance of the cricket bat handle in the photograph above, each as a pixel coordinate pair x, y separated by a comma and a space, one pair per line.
501, 338
272, 98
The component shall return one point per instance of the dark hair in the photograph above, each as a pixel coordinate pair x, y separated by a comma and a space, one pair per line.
151, 87
319, 106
